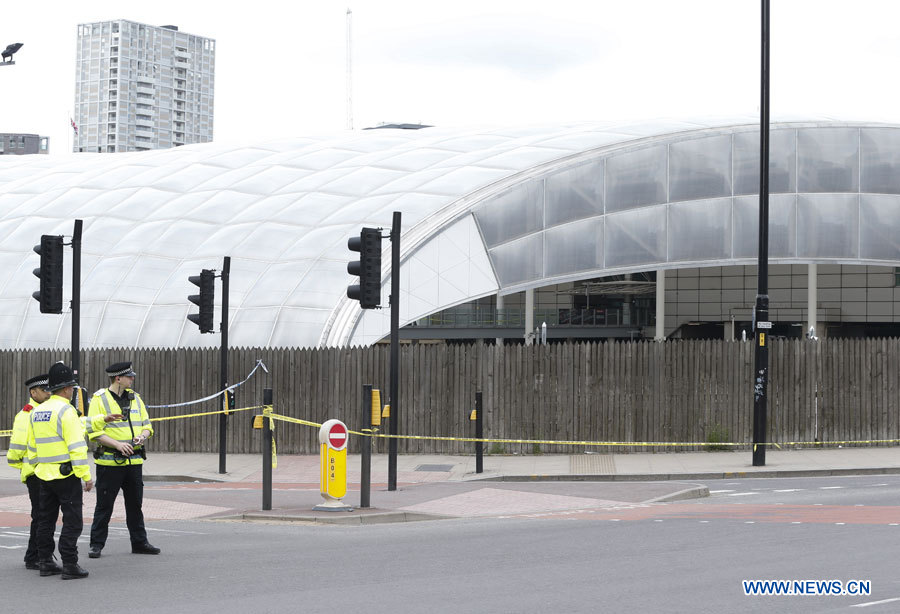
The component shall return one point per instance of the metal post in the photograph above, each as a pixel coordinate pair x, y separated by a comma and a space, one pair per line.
479, 434
267, 454
76, 300
223, 371
761, 371
395, 350
365, 484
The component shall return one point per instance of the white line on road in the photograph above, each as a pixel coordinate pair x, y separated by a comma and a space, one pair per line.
789, 490
865, 605
743, 494
829, 487
715, 492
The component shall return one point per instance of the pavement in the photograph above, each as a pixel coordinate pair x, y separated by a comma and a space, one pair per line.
431, 487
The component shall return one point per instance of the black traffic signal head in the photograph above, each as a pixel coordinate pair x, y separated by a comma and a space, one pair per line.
205, 300
368, 267
50, 273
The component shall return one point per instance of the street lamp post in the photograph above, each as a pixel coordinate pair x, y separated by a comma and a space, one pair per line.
761, 321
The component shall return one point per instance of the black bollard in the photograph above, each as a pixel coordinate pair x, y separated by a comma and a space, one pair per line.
267, 453
479, 434
365, 479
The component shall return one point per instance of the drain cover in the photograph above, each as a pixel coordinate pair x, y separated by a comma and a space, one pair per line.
434, 468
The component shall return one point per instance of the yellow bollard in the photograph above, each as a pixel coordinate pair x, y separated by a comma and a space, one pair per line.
333, 437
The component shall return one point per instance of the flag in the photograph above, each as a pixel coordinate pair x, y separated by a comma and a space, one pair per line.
74, 127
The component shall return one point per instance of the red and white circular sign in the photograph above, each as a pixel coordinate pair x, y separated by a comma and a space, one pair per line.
334, 433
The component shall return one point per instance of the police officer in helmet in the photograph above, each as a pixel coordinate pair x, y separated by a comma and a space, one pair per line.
60, 462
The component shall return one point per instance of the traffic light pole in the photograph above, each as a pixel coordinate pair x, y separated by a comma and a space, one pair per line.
76, 300
395, 350
761, 314
223, 351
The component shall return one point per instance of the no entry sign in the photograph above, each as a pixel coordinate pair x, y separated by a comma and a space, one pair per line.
334, 434
337, 436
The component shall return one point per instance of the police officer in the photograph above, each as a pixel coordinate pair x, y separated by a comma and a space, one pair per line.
119, 458
18, 459
60, 462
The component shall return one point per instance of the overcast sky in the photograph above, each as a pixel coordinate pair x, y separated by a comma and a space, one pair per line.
281, 66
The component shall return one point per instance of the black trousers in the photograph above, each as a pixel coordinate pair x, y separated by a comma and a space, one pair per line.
130, 479
56, 495
34, 493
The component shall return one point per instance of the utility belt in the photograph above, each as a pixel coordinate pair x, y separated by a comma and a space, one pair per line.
121, 459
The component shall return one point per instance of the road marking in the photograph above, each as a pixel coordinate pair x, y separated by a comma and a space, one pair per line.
743, 494
789, 490
715, 492
796, 522
829, 487
12, 547
865, 605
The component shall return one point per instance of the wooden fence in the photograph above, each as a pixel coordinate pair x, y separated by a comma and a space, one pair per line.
677, 391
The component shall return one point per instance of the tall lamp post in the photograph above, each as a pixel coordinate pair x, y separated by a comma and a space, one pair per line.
761, 321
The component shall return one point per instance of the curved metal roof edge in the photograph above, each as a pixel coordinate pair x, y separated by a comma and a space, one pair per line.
347, 313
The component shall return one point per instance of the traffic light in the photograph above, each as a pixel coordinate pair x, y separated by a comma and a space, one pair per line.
368, 268
206, 282
50, 273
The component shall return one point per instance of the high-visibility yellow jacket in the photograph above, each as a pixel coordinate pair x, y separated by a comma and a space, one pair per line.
57, 437
136, 420
17, 456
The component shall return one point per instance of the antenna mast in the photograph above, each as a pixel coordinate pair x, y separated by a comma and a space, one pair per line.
349, 69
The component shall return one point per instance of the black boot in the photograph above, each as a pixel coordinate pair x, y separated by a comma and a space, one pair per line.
73, 571
49, 568
145, 548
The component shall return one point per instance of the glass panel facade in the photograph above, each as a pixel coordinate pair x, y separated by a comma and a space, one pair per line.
636, 178
574, 193
519, 261
782, 226
635, 237
828, 160
574, 247
515, 213
880, 160
828, 226
879, 226
782, 162
700, 230
700, 168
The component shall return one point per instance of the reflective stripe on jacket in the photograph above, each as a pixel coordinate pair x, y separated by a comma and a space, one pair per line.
135, 421
17, 456
57, 437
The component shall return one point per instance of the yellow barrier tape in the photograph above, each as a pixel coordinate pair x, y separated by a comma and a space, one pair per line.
298, 421
778, 445
205, 413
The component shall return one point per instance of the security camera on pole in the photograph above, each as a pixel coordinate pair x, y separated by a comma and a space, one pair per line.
204, 320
